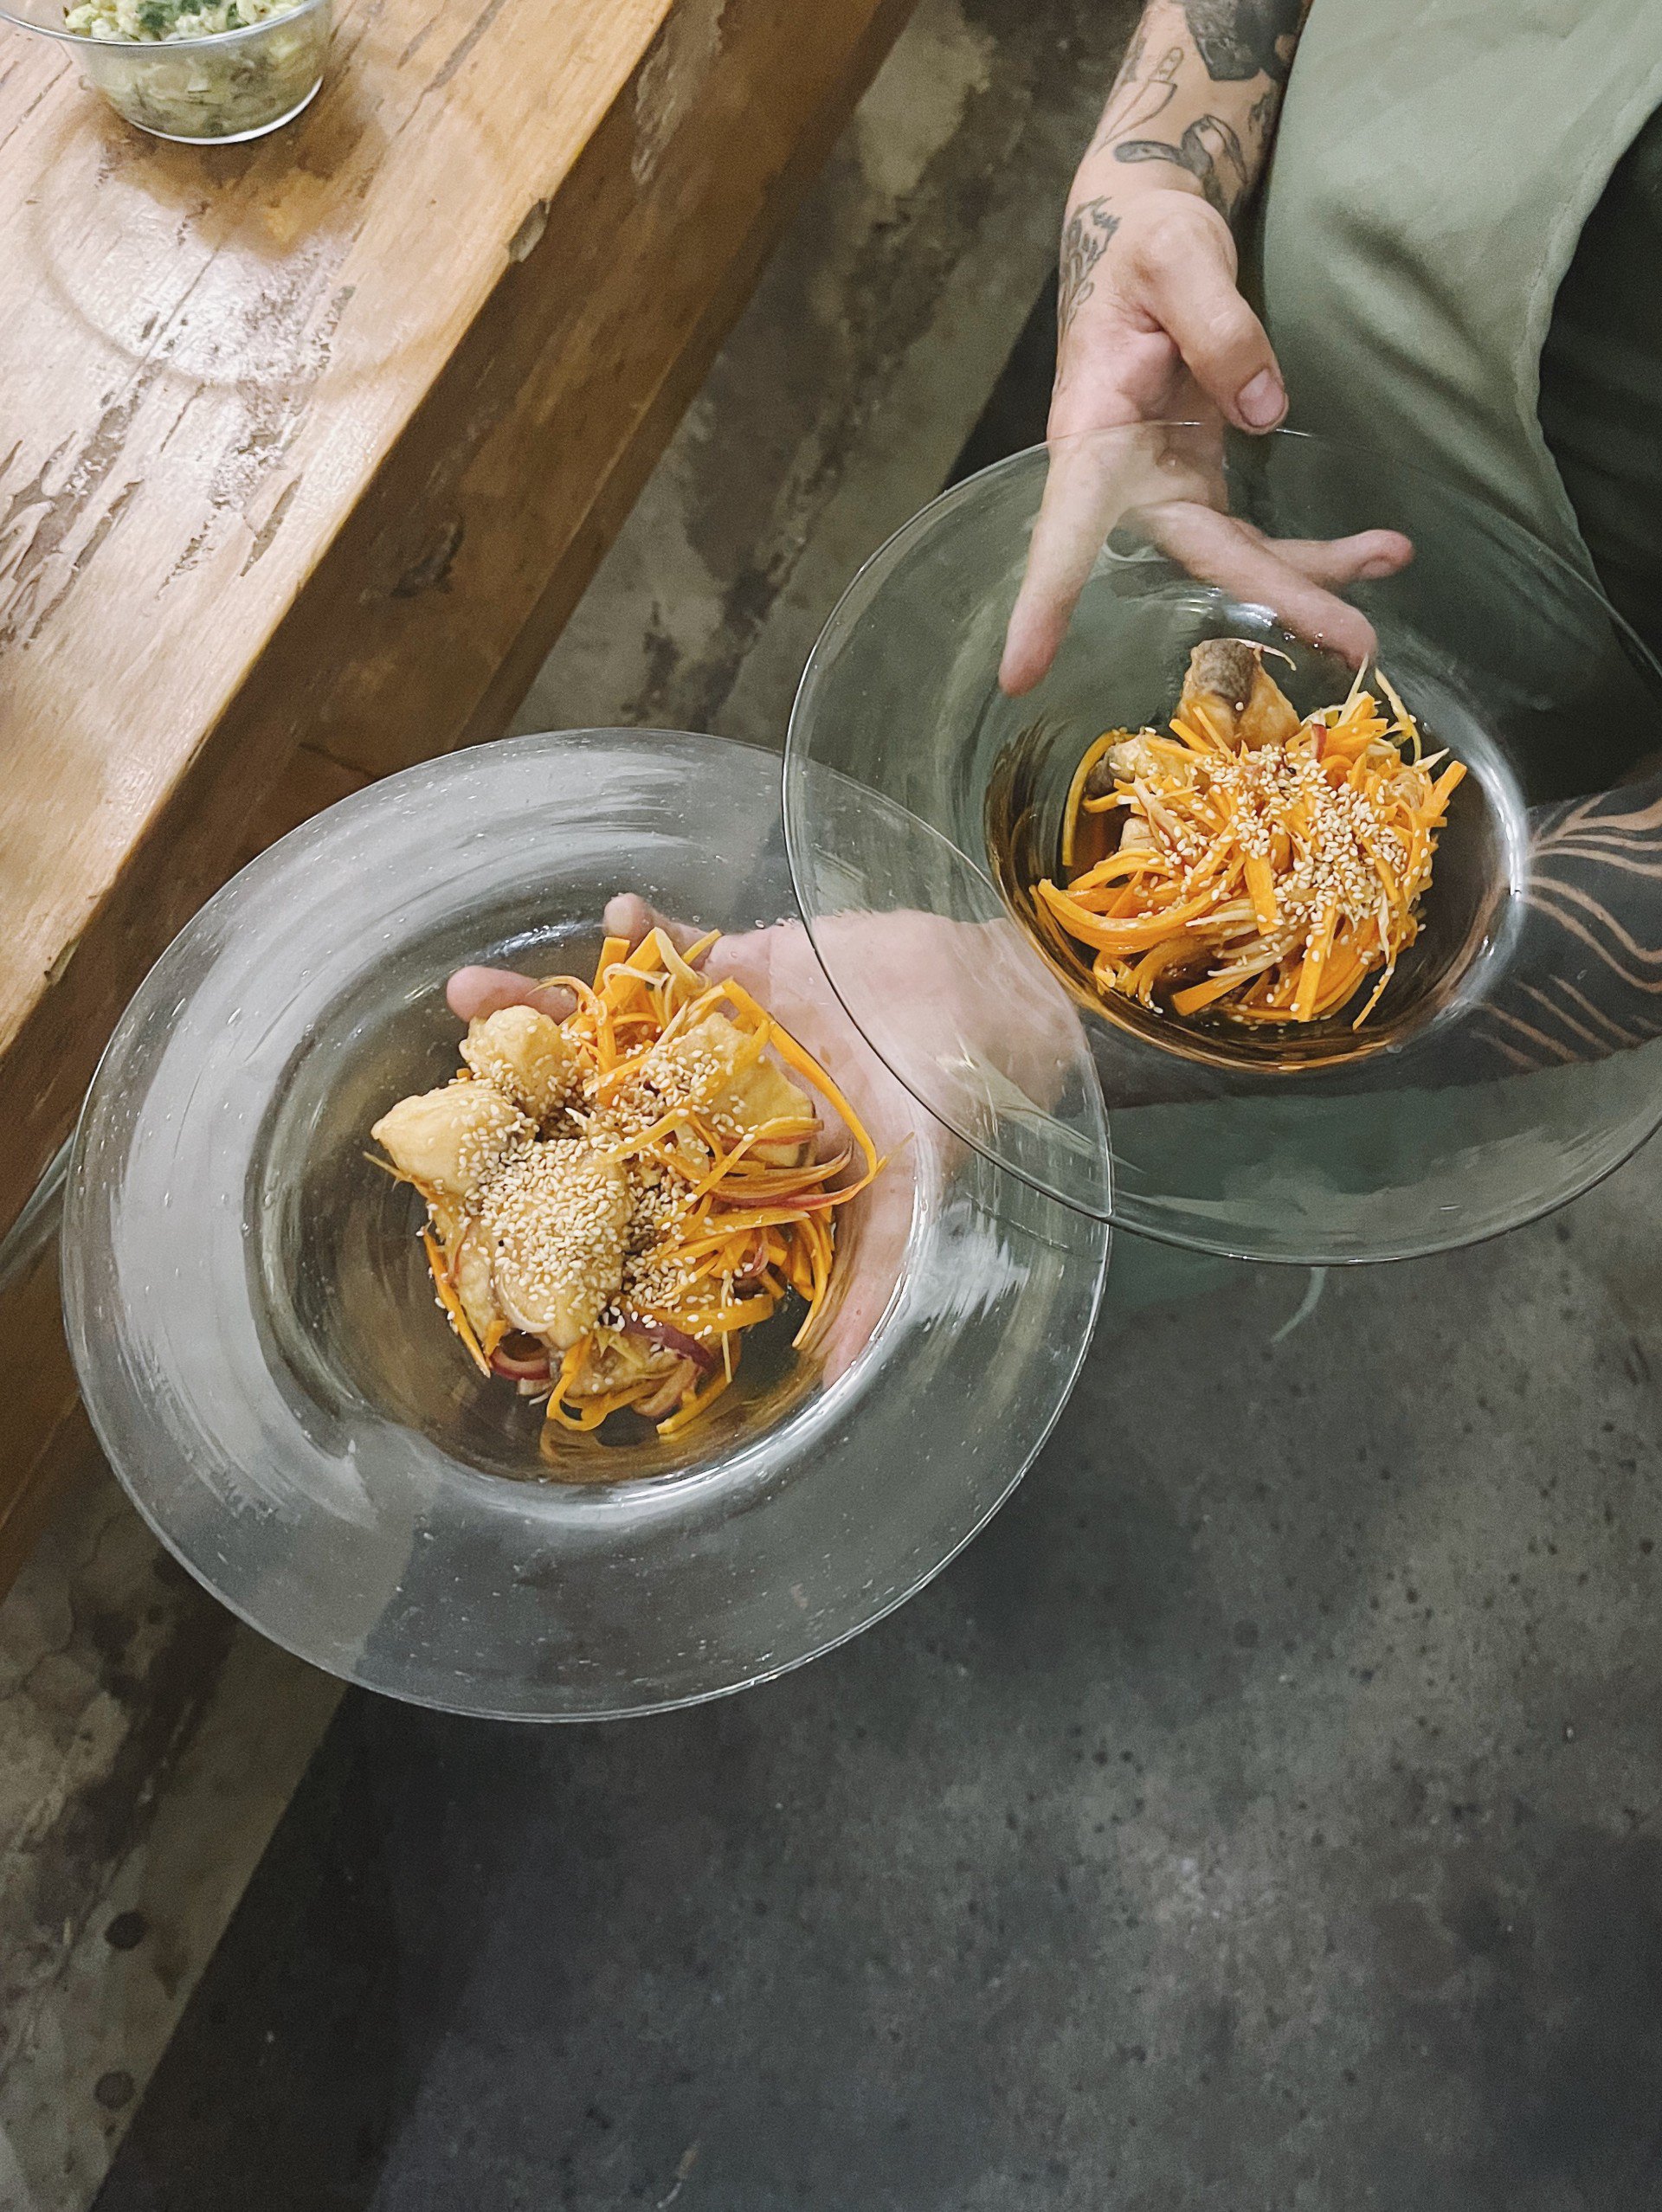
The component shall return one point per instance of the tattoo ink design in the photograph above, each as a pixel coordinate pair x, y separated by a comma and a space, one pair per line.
1136, 100
1084, 243
1211, 153
1261, 120
1242, 39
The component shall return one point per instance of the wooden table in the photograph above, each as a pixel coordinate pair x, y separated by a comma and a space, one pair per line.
308, 447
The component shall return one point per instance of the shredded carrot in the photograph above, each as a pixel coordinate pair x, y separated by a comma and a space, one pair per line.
752, 1219
690, 1408
1269, 884
452, 1303
1076, 794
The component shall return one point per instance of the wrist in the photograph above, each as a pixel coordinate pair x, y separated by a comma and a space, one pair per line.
1206, 160
1127, 188
1141, 205
1104, 169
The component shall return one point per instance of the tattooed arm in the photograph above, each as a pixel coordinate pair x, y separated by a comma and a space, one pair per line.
1152, 321
1153, 327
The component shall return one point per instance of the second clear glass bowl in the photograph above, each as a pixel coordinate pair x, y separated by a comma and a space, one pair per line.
256, 1335
1514, 1059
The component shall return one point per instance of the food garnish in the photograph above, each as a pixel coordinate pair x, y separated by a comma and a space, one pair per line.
142, 20
179, 67
1263, 866
615, 1197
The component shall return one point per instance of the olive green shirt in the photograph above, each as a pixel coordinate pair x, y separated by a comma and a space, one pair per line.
1441, 171
1460, 267
1600, 398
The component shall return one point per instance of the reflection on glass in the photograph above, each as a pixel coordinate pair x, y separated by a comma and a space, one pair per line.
1507, 1068
254, 1326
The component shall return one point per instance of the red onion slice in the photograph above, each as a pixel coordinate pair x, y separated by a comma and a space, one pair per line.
527, 1361
676, 1340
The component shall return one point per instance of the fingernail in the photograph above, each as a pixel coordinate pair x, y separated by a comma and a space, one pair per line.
1381, 565
1262, 402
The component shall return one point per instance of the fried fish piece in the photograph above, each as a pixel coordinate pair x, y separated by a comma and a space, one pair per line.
1241, 701
526, 1056
449, 1140
556, 1219
1121, 763
707, 1059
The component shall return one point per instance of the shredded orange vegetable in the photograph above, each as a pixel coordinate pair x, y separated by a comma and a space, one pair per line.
1265, 884
727, 1220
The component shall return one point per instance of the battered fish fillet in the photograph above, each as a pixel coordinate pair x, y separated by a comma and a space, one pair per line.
749, 1097
450, 1140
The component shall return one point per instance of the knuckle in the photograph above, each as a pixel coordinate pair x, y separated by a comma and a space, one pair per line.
1180, 226
1231, 327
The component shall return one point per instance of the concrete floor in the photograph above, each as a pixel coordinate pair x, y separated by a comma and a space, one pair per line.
1262, 1814
147, 1744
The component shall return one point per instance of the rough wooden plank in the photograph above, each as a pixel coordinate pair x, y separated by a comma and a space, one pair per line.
310, 782
594, 379
312, 431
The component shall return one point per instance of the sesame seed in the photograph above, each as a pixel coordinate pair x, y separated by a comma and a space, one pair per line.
557, 1213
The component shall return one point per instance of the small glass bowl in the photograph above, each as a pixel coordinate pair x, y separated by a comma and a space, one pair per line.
217, 91
256, 1335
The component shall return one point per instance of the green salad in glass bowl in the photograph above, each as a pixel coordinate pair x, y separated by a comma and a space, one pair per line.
202, 70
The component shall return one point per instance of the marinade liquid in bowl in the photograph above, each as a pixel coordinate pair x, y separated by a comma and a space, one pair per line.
1468, 915
1510, 1061
255, 1330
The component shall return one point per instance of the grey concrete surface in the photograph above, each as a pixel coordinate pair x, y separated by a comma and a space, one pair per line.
148, 1745
1262, 1814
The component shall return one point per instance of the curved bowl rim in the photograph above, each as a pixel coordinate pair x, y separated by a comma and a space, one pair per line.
74, 1292
1163, 1232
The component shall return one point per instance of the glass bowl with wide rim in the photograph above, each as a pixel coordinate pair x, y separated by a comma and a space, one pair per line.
1510, 1061
256, 1334
220, 89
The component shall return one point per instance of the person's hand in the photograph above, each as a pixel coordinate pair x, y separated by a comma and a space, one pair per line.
780, 969
1153, 329
1151, 326
471, 992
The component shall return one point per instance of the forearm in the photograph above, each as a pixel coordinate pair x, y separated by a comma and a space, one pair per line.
1151, 326
1195, 101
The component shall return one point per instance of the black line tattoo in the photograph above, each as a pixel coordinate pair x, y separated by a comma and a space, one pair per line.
1085, 240
1242, 39
1261, 121
1137, 100
1211, 153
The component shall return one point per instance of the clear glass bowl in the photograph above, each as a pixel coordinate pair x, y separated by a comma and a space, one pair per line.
215, 91
257, 1340
1509, 1065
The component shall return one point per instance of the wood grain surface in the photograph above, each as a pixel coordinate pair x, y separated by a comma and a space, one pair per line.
316, 440
307, 448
